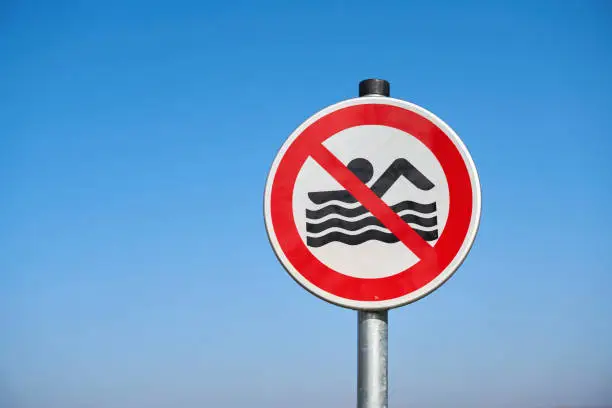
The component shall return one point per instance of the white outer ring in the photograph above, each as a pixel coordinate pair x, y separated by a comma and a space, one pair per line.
438, 280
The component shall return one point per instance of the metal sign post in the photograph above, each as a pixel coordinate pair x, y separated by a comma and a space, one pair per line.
372, 391
372, 326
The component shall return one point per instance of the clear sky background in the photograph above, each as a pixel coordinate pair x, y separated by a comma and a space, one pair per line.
135, 140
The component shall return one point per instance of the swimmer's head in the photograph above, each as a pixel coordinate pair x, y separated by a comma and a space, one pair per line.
362, 169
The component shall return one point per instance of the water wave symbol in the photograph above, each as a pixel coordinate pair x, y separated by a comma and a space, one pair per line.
354, 226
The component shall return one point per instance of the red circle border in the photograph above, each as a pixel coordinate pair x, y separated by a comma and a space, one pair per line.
411, 279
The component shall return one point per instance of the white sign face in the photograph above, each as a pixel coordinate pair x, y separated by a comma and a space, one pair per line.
372, 203
383, 150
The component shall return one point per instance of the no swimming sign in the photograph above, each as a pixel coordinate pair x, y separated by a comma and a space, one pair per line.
372, 203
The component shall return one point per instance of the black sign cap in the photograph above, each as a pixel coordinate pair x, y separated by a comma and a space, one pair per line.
374, 87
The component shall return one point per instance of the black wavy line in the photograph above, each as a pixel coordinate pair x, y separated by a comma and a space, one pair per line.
357, 225
369, 235
320, 197
354, 212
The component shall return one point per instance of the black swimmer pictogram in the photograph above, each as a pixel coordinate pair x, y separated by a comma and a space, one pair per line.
349, 225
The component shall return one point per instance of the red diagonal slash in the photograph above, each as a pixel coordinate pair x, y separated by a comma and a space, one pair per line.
372, 202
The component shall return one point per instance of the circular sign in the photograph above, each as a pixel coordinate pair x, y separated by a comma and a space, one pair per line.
372, 203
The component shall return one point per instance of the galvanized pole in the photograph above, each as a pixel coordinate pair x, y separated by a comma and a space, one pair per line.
372, 391
372, 340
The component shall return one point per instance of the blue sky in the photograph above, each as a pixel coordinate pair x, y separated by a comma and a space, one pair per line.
135, 139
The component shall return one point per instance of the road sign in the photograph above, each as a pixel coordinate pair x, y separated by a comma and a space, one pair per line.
372, 203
